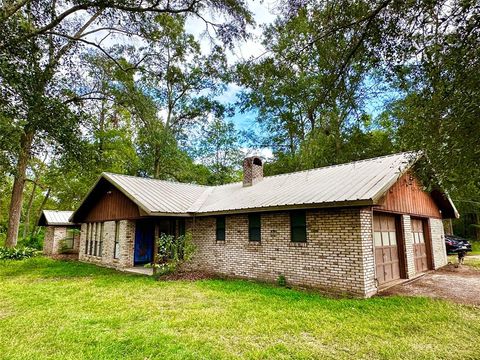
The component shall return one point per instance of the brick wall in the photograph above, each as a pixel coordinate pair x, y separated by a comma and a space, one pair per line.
54, 235
337, 257
409, 252
126, 244
438, 243
48, 240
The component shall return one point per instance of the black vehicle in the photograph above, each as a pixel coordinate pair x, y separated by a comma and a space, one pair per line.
455, 243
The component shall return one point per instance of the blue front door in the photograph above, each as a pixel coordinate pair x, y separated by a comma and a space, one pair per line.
144, 237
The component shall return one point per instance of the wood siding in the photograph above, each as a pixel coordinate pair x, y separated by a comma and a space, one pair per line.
406, 196
112, 205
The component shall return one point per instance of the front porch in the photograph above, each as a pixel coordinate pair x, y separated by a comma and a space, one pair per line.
147, 230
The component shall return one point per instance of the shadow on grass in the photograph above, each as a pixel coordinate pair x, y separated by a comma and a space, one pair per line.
46, 267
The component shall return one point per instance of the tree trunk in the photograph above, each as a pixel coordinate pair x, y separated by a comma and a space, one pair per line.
45, 199
26, 225
17, 191
156, 165
477, 226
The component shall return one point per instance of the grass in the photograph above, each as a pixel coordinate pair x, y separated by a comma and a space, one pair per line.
470, 260
475, 247
68, 310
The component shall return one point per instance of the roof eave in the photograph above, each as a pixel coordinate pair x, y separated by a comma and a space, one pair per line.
326, 205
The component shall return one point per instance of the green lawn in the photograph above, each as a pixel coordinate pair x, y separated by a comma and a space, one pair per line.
62, 310
470, 260
475, 248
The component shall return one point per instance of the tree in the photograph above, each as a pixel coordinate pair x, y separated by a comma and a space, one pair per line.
303, 88
41, 43
218, 147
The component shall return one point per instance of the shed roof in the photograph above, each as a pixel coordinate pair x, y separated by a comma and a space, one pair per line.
357, 183
55, 217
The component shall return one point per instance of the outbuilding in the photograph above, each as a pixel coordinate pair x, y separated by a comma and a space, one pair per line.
61, 235
352, 228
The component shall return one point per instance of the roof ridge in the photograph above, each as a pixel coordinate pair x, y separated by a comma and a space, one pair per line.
342, 164
270, 176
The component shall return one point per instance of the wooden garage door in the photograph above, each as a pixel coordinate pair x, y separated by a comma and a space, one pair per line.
419, 246
386, 248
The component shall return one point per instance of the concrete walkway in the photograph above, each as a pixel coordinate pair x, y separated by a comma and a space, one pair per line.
139, 270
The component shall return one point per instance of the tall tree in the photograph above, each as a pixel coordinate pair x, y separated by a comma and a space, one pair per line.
40, 74
303, 87
218, 147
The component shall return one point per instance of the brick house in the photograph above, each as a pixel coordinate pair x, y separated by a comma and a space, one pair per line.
352, 228
61, 235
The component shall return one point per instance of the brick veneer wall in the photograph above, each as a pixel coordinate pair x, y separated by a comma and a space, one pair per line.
126, 243
408, 239
53, 239
48, 240
337, 257
438, 243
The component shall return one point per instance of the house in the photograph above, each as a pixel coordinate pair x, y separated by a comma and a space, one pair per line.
61, 235
352, 228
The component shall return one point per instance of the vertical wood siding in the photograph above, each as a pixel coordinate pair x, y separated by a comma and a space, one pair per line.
406, 196
113, 205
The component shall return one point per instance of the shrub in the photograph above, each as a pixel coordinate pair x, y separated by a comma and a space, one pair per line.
172, 252
34, 242
17, 253
281, 280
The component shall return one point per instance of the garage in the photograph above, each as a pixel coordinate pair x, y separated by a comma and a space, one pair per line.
386, 248
420, 251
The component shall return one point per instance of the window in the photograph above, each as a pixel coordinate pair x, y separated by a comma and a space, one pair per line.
87, 236
116, 246
90, 251
221, 228
68, 241
100, 243
95, 246
181, 227
254, 227
298, 226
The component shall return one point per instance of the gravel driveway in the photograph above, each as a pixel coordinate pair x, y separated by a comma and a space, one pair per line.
460, 285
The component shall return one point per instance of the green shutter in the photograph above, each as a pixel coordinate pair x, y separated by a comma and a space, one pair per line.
254, 227
298, 226
220, 228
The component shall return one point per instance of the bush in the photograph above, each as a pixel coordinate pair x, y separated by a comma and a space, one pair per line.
17, 253
34, 242
172, 252
281, 280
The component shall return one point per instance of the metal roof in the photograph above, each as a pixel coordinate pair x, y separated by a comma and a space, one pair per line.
55, 217
356, 183
157, 196
353, 184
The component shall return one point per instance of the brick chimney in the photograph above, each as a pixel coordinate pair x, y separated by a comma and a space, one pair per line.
252, 170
